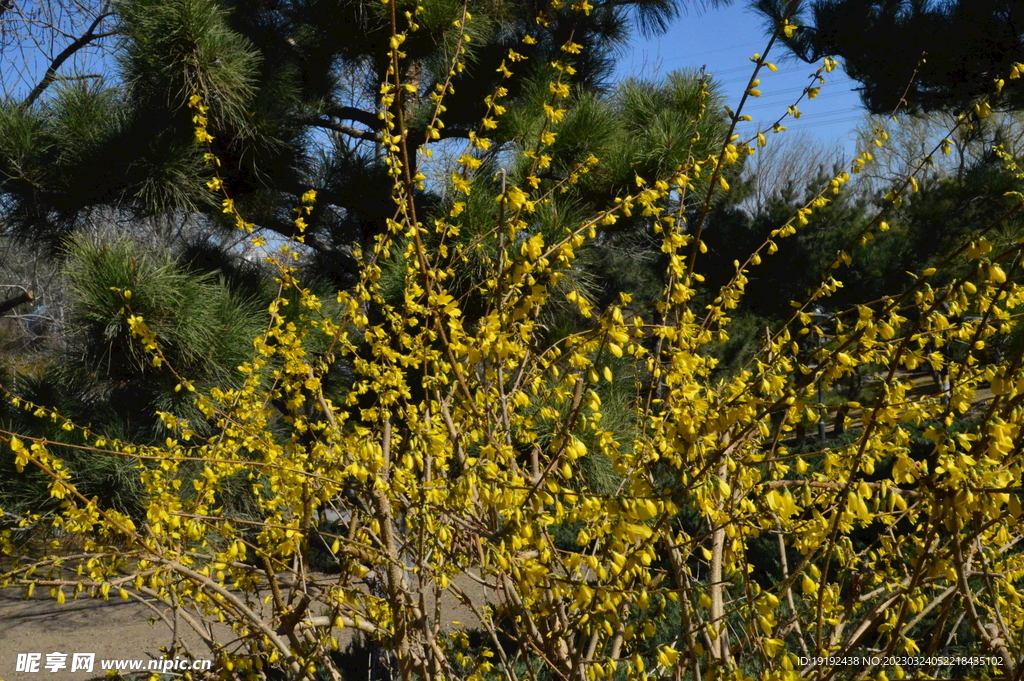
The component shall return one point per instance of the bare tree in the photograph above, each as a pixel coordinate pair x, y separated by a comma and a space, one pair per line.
788, 161
912, 138
44, 41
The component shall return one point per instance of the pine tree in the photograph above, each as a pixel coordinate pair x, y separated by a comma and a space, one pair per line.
924, 55
292, 90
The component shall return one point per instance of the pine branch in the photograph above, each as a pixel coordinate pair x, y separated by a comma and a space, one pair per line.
351, 113
454, 133
315, 243
13, 302
367, 118
338, 127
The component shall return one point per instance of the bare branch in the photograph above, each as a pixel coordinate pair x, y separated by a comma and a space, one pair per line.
51, 72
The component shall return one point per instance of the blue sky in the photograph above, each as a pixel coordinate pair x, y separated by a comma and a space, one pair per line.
724, 39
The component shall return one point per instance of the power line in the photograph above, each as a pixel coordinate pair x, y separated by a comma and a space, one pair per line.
714, 51
800, 123
851, 119
716, 73
828, 81
687, 57
813, 117
766, 106
829, 92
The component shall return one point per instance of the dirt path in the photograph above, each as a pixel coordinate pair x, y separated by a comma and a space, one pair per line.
118, 629
110, 629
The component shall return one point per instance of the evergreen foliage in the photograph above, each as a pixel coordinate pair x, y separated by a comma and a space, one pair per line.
922, 55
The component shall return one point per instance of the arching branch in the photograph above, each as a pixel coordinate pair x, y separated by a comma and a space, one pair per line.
51, 71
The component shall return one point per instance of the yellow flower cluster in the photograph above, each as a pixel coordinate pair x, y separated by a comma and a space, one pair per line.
459, 460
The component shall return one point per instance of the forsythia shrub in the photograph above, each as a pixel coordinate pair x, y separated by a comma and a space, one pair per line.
458, 463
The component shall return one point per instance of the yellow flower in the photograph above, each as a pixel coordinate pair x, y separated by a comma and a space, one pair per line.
553, 114
559, 90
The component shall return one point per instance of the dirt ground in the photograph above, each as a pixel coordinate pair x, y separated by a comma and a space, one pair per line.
110, 629
118, 629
